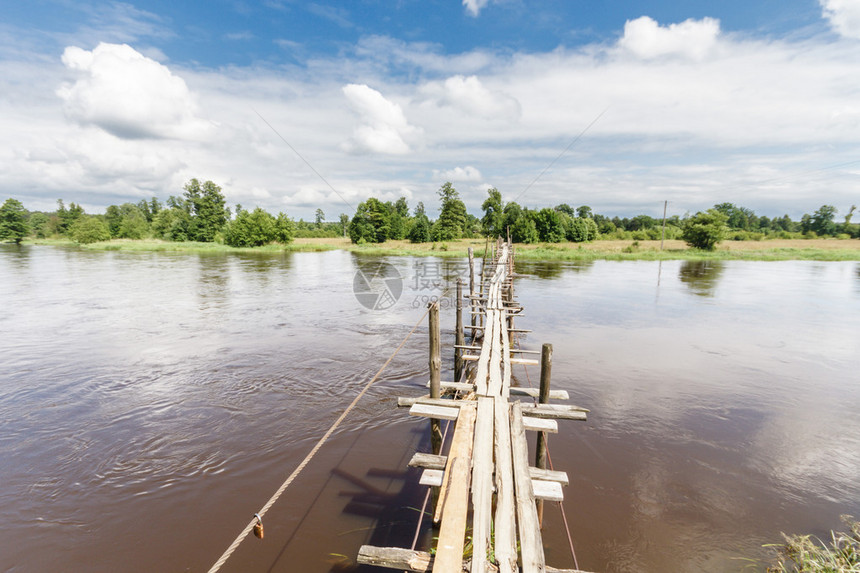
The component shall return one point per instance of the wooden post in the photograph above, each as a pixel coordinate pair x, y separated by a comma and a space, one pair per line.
663, 236
459, 337
472, 287
435, 375
540, 450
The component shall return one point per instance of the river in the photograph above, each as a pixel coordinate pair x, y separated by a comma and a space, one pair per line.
150, 403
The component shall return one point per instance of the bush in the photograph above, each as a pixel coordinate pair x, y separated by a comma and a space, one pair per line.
88, 230
705, 229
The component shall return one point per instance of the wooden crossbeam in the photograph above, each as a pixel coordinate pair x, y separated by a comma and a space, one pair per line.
531, 545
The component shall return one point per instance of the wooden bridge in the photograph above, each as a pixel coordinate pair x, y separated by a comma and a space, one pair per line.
486, 477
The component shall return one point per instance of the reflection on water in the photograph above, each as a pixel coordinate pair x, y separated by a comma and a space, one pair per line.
552, 269
151, 402
701, 276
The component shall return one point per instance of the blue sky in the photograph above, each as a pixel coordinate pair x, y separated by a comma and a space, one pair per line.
698, 102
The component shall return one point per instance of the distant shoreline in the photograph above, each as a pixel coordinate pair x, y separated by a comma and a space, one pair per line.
765, 250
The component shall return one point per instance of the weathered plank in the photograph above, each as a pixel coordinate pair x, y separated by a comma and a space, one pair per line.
461, 447
540, 424
505, 531
547, 490
535, 392
482, 484
531, 546
555, 411
395, 558
431, 477
428, 461
454, 499
429, 411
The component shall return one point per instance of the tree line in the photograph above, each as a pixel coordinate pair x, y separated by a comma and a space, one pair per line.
200, 213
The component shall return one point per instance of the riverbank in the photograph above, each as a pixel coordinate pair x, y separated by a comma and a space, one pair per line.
774, 250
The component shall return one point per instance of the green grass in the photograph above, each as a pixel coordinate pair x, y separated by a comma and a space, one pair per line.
811, 250
808, 554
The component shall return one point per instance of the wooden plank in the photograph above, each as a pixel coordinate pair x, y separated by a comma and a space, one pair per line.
482, 483
548, 475
461, 447
431, 477
534, 392
395, 558
555, 411
547, 490
452, 533
428, 461
540, 424
460, 386
531, 545
428, 411
505, 531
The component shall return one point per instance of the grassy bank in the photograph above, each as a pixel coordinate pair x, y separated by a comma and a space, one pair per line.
776, 250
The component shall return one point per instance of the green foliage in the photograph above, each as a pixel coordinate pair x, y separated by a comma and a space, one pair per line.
67, 217
822, 221
548, 223
371, 222
319, 217
128, 221
705, 229
493, 220
208, 210
420, 231
39, 224
805, 554
250, 229
284, 229
89, 229
13, 221
579, 230
452, 218
172, 224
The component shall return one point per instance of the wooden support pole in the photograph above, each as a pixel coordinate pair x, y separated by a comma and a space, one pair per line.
435, 384
459, 337
472, 284
543, 398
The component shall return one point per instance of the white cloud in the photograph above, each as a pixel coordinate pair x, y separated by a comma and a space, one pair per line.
383, 127
467, 173
843, 15
693, 39
474, 7
471, 96
129, 95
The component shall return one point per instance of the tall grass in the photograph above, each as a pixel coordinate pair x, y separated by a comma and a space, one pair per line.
808, 554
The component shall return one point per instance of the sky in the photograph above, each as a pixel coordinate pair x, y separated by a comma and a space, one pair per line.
293, 106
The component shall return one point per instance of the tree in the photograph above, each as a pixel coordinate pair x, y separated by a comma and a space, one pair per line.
13, 221
319, 217
822, 220
67, 217
89, 229
493, 221
705, 229
285, 229
208, 209
565, 208
452, 218
344, 222
371, 222
420, 231
402, 208
548, 225
584, 212
250, 229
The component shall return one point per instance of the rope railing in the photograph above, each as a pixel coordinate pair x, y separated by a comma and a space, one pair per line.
258, 516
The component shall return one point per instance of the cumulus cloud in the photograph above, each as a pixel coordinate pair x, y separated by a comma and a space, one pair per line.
471, 96
692, 39
383, 127
474, 7
467, 173
123, 92
843, 15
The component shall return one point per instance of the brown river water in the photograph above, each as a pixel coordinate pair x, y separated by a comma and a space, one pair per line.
150, 403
